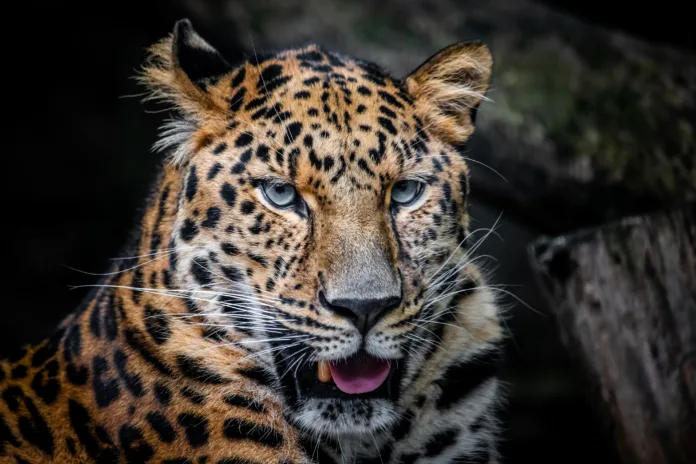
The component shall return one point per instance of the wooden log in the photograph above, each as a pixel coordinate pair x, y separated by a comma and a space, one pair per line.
624, 296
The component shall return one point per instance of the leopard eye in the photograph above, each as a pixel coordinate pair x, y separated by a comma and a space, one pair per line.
405, 192
278, 194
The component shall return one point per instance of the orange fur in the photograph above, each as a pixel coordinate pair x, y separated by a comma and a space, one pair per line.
449, 85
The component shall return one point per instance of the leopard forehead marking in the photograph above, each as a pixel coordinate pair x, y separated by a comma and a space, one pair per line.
330, 125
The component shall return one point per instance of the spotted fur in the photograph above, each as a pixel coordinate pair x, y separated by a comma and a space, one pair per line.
201, 345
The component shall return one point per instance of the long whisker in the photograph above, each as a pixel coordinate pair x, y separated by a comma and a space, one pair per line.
170, 294
120, 271
473, 248
301, 355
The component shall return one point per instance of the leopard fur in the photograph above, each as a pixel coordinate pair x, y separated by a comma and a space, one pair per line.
201, 344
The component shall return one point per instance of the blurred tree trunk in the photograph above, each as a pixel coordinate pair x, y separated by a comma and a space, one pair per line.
585, 124
625, 299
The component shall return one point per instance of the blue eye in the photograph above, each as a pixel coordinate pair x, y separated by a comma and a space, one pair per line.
405, 192
280, 195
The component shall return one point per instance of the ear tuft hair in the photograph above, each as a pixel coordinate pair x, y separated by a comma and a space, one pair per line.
177, 72
449, 87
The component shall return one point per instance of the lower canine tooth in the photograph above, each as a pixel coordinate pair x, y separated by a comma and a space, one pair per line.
324, 372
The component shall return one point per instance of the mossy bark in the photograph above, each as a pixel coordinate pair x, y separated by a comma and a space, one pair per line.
625, 301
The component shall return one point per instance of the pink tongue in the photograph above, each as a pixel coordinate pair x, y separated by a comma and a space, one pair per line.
359, 374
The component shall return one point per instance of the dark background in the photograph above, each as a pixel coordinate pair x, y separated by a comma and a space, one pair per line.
79, 166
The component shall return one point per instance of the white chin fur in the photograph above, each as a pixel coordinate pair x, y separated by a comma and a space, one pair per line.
339, 418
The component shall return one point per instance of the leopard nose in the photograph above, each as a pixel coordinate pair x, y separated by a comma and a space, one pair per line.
364, 313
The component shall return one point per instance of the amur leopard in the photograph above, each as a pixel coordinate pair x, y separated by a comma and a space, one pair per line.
301, 287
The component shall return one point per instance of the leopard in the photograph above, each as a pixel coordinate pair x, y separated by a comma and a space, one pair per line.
302, 284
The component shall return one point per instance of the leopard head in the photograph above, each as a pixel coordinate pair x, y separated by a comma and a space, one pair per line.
323, 215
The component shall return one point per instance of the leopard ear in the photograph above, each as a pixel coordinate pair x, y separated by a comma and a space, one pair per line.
449, 87
182, 71
195, 57
180, 67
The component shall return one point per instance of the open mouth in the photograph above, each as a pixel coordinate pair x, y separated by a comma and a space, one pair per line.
361, 376
361, 373
358, 377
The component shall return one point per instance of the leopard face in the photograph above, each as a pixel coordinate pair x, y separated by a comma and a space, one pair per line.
323, 216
